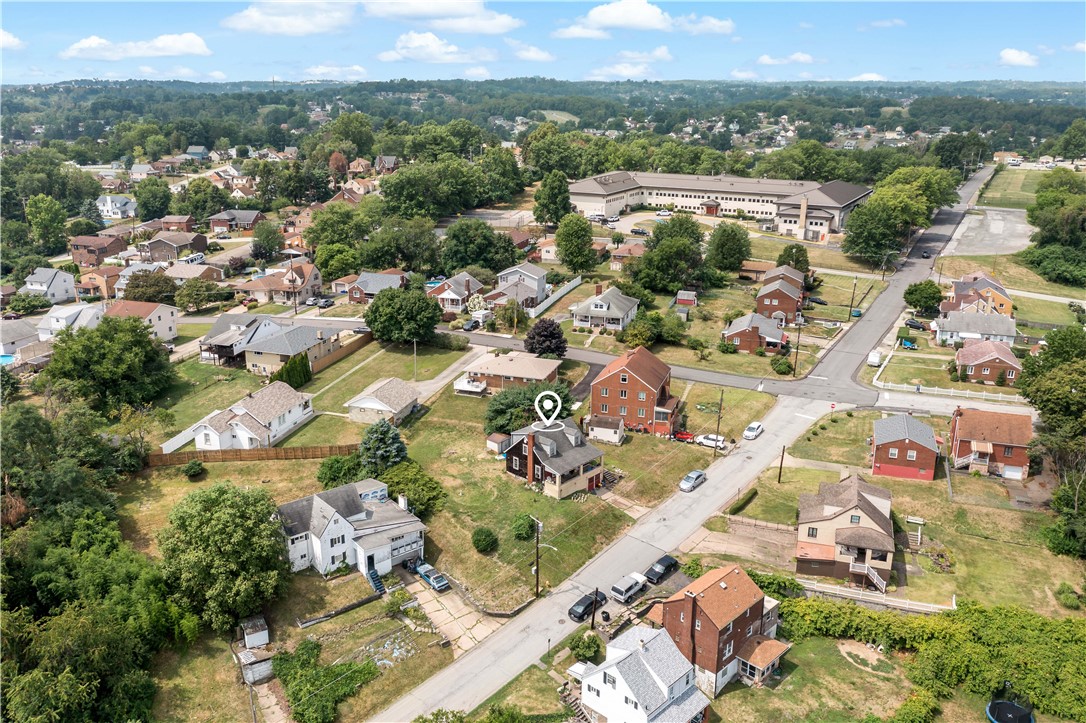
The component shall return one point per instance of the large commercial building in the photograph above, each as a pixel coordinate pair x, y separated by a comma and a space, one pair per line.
798, 208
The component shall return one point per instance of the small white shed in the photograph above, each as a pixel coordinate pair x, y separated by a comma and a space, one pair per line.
606, 429
255, 631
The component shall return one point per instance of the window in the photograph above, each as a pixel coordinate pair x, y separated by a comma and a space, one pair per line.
207, 438
969, 370
609, 679
603, 409
640, 396
682, 617
855, 519
697, 625
603, 391
750, 630
516, 463
1008, 451
538, 471
911, 455
985, 370
622, 378
728, 630
593, 689
893, 453
336, 541
641, 412
622, 411
621, 393
812, 532
1010, 373
728, 649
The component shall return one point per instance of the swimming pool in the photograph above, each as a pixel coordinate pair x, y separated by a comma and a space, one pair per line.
6, 359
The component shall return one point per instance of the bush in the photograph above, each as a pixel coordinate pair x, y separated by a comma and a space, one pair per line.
448, 316
726, 347
339, 470
453, 342
456, 325
586, 647
778, 586
849, 413
193, 469
905, 333
954, 377
1067, 597
781, 365
523, 526
741, 504
484, 540
759, 352
696, 344
823, 427
296, 372
693, 568
1001, 379
252, 306
314, 690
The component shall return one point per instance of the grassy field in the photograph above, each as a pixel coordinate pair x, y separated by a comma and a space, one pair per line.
325, 429
928, 372
836, 291
768, 249
749, 365
653, 466
999, 556
1008, 270
718, 302
345, 311
203, 388
844, 440
394, 360
821, 685
190, 332
559, 116
272, 308
450, 444
1011, 188
199, 683
1046, 312
741, 407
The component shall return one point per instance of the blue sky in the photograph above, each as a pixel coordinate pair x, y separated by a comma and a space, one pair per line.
383, 39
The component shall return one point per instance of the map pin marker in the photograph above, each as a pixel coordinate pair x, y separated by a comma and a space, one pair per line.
548, 406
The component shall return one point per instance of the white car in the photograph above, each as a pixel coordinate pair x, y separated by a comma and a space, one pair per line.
612, 219
711, 440
692, 481
610, 226
663, 212
753, 430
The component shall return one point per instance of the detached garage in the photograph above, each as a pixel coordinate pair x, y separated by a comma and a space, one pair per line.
390, 398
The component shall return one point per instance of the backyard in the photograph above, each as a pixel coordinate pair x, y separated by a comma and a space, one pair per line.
201, 389
837, 292
750, 365
1007, 268
910, 367
190, 332
1044, 312
842, 439
1011, 188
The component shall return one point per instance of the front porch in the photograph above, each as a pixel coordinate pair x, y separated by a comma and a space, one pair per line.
584, 478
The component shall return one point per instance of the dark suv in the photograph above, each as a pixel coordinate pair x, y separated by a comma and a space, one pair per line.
583, 607
660, 569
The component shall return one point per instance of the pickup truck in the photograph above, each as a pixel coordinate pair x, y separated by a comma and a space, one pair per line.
432, 577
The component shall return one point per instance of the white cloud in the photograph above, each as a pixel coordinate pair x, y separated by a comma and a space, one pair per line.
891, 23
640, 15
869, 77
803, 58
487, 22
1079, 46
96, 48
806, 26
636, 56
10, 42
217, 75
428, 48
477, 72
1046, 50
743, 74
621, 71
531, 53
451, 16
329, 71
291, 18
178, 71
1017, 58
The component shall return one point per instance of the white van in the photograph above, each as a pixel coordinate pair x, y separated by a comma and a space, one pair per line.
874, 359
624, 590
196, 258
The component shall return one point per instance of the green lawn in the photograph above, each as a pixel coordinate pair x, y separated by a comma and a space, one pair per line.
749, 365
1045, 312
1008, 270
273, 309
450, 444
653, 466
719, 302
190, 332
778, 502
325, 376
768, 249
1011, 188
741, 407
325, 429
198, 683
905, 368
202, 388
836, 290
843, 440
395, 360
820, 685
576, 296
345, 311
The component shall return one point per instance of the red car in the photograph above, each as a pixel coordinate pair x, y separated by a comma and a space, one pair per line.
687, 437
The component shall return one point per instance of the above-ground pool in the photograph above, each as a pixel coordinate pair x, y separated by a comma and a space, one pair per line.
6, 359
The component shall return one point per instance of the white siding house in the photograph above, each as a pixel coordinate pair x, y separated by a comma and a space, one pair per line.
354, 525
161, 317
73, 316
962, 325
260, 419
55, 285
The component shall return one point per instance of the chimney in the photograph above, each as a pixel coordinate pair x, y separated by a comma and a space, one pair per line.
803, 216
467, 287
599, 289
531, 455
690, 605
402, 500
320, 334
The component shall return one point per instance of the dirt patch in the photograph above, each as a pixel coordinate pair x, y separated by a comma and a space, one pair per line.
860, 649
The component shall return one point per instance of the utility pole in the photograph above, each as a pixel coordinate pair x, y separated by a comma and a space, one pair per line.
719, 414
415, 354
293, 286
780, 469
853, 299
799, 335
538, 531
595, 596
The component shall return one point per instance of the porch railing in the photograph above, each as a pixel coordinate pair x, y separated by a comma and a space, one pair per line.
871, 573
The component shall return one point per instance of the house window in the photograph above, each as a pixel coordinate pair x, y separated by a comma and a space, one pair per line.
1010, 373
697, 625
603, 409
728, 630
985, 370
516, 463
812, 532
595, 690
622, 378
207, 438
911, 455
640, 396
336, 541
538, 471
1008, 451
621, 393
609, 679
622, 411
682, 617
969, 370
893, 453
603, 391
728, 649
855, 519
750, 630
641, 412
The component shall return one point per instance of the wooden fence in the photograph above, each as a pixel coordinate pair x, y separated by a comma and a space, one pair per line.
345, 349
251, 455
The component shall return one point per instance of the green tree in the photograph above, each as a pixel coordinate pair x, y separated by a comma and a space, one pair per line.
501, 175
670, 265
574, 244
672, 329
523, 527
1060, 398
267, 241
357, 128
339, 470
1062, 346
197, 293
199, 199
924, 295
484, 540
473, 241
513, 408
552, 202
402, 316
25, 265
871, 232
80, 227
153, 198
223, 553
407, 243
26, 303
425, 495
137, 423
681, 225
729, 247
336, 223
380, 449
115, 363
47, 217
154, 287
545, 337
9, 385
337, 259
586, 647
89, 211
297, 371
795, 255
512, 315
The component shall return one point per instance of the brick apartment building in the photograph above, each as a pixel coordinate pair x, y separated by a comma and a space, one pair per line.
636, 388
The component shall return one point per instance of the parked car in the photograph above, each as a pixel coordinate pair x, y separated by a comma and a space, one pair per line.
914, 324
610, 226
687, 437
637, 231
660, 569
613, 219
663, 213
361, 330
857, 313
925, 255
818, 300
581, 609
311, 301
753, 430
625, 589
874, 358
325, 303
711, 440
222, 235
250, 300
12, 315
168, 346
471, 325
692, 481
432, 577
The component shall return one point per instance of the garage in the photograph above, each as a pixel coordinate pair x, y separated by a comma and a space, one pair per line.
1014, 473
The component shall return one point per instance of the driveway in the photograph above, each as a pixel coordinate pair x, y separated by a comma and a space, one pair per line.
464, 626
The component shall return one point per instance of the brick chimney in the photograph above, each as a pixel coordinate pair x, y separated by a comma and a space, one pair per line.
467, 287
802, 216
320, 334
531, 455
599, 289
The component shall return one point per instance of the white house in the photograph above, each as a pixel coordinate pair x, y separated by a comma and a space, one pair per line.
609, 309
644, 678
390, 398
161, 317
260, 419
116, 206
453, 294
74, 317
15, 334
530, 275
354, 524
962, 325
56, 285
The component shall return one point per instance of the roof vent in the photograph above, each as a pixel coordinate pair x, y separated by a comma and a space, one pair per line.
723, 586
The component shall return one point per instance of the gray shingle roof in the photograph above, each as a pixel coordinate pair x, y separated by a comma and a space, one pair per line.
781, 285
904, 426
393, 392
560, 450
371, 282
618, 304
766, 327
42, 275
293, 340
834, 498
972, 323
649, 663
312, 514
269, 402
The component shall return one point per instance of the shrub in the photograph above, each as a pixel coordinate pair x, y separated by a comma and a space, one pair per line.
1001, 379
781, 365
296, 371
704, 313
905, 333
314, 690
456, 325
726, 347
484, 540
696, 344
193, 469
441, 340
523, 526
693, 568
448, 316
586, 647
823, 427
954, 376
1067, 597
834, 420
759, 352
778, 586
396, 600
814, 432
741, 504
252, 306
849, 413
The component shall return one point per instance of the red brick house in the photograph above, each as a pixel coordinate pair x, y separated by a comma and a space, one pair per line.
793, 276
991, 442
903, 446
100, 282
93, 250
781, 300
636, 388
725, 626
177, 223
986, 360
752, 332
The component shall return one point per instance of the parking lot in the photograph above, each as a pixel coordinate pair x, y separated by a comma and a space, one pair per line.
990, 231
